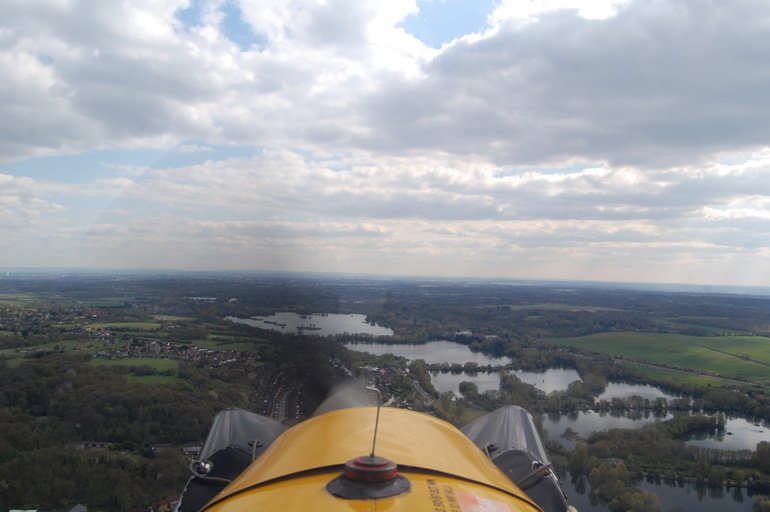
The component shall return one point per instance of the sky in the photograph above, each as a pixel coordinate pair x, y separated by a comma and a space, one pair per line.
607, 140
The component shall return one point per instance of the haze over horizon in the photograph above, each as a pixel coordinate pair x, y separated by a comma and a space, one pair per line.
611, 140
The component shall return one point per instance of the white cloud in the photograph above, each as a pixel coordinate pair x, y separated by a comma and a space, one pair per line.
627, 132
633, 82
194, 148
21, 204
527, 11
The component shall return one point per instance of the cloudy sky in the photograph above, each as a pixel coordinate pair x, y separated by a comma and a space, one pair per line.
615, 140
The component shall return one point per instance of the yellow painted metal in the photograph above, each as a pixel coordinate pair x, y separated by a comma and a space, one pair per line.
413, 440
429, 493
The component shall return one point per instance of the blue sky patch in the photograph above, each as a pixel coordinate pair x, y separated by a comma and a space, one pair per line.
237, 30
86, 167
191, 16
440, 21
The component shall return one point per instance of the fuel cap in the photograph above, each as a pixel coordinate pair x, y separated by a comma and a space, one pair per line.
368, 477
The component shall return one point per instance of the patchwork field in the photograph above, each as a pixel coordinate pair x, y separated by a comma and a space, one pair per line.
741, 357
138, 326
152, 379
155, 363
19, 300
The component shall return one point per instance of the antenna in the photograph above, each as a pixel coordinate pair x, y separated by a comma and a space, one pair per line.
377, 421
369, 476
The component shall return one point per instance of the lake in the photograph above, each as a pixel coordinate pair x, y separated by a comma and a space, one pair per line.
450, 352
687, 496
623, 390
553, 379
739, 434
433, 352
446, 381
583, 423
319, 324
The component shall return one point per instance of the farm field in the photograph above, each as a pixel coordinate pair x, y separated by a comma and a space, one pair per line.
13, 299
69, 346
152, 379
243, 346
678, 376
740, 357
155, 363
139, 326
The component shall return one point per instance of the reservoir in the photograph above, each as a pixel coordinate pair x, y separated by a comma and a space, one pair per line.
553, 379
684, 496
450, 352
583, 423
446, 381
671, 496
739, 434
623, 390
433, 352
318, 324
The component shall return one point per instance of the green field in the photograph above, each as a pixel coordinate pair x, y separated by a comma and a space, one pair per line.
677, 376
9, 352
243, 346
152, 379
101, 301
77, 346
172, 318
16, 299
741, 357
155, 363
6, 333
139, 326
703, 324
148, 335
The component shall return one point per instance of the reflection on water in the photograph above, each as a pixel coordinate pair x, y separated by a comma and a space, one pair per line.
433, 352
445, 381
689, 496
319, 324
739, 434
553, 379
622, 390
680, 496
583, 423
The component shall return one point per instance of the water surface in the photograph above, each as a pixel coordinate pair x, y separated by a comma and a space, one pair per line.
739, 434
319, 324
553, 379
584, 423
433, 352
623, 390
445, 381
686, 496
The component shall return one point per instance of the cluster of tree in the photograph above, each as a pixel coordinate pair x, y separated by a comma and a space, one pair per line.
52, 406
671, 459
611, 482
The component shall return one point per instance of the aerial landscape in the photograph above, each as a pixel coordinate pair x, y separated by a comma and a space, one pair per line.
462, 210
116, 377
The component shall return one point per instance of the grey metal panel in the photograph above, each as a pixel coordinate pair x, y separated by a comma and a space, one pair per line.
238, 428
511, 439
507, 427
